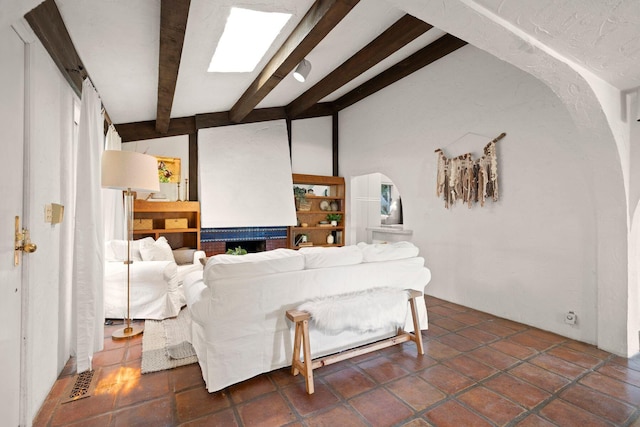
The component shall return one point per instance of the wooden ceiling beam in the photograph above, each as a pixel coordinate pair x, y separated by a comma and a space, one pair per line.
323, 16
402, 32
425, 56
46, 22
138, 131
173, 24
223, 118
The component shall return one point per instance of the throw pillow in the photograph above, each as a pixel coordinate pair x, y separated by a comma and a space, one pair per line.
183, 255
157, 251
118, 250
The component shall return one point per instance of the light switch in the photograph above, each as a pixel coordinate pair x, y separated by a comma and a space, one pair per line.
48, 213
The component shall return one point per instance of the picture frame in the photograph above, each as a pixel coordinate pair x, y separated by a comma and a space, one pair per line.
168, 169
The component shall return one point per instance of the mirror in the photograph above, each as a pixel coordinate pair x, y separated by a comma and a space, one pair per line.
390, 203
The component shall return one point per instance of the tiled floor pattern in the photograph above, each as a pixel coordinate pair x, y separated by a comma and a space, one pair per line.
478, 370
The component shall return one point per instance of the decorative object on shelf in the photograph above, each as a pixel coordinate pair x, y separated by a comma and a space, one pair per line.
334, 219
129, 171
334, 205
300, 239
186, 189
176, 223
179, 198
236, 251
472, 181
302, 204
324, 205
330, 239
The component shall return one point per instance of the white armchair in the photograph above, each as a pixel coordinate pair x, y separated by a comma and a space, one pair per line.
156, 278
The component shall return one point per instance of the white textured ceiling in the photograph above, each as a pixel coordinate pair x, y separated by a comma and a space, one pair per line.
603, 36
118, 43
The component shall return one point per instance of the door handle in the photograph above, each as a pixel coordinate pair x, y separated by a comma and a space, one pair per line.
22, 242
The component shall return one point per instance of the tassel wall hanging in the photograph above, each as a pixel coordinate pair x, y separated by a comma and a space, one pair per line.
472, 181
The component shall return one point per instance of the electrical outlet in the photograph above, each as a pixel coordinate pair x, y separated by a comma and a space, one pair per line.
48, 213
570, 318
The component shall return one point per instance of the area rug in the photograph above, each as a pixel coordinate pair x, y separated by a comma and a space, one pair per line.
166, 344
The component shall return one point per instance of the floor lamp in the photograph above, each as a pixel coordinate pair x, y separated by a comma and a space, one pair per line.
129, 171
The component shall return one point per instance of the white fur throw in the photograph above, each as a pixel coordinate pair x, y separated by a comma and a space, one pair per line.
362, 311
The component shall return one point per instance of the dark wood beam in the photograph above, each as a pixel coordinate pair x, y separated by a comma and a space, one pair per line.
289, 130
425, 56
321, 109
323, 16
46, 22
402, 32
193, 167
211, 120
335, 144
138, 131
173, 24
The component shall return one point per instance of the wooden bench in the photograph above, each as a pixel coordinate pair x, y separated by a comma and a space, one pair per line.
301, 343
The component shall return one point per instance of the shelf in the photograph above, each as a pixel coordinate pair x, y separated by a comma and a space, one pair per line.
309, 196
317, 212
166, 230
334, 187
323, 245
318, 228
158, 212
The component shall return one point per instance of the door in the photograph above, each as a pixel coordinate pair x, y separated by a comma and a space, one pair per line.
12, 51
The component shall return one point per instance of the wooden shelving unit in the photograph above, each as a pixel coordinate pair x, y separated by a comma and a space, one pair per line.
334, 188
159, 211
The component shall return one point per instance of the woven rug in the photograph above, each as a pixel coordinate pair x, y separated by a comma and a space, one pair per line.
166, 344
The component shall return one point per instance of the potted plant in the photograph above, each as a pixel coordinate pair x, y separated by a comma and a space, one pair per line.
237, 251
301, 198
334, 218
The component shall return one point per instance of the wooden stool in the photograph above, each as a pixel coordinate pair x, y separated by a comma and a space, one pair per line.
301, 341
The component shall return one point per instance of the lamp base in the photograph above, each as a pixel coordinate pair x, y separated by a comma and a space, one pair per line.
127, 332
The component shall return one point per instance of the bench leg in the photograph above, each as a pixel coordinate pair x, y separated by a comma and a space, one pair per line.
417, 333
301, 342
308, 368
296, 349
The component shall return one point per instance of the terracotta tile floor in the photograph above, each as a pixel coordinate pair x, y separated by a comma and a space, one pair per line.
478, 370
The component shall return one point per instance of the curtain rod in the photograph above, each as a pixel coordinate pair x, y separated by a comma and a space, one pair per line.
496, 139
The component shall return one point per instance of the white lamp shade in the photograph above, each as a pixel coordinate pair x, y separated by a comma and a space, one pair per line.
302, 70
124, 170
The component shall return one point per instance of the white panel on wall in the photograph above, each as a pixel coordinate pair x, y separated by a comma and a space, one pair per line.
245, 176
311, 146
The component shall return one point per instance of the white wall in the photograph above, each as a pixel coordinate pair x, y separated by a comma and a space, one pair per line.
311, 146
172, 146
529, 257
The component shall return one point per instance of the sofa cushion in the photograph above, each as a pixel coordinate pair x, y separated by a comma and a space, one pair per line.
387, 251
157, 251
116, 250
320, 257
254, 264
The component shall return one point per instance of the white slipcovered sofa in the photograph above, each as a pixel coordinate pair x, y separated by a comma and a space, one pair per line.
238, 305
157, 273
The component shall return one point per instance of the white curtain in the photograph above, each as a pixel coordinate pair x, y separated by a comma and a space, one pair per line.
88, 241
112, 199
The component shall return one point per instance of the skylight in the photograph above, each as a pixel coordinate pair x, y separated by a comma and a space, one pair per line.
247, 36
